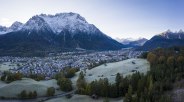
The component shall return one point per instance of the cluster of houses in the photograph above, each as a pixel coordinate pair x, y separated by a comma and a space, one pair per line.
49, 66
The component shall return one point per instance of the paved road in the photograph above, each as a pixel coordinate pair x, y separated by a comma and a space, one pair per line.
39, 99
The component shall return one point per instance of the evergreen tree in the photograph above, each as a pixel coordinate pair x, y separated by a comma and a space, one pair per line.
34, 94
81, 83
23, 94
118, 81
128, 96
30, 95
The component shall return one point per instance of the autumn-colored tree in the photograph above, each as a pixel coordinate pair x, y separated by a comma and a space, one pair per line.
70, 72
18, 76
171, 61
180, 61
162, 59
152, 58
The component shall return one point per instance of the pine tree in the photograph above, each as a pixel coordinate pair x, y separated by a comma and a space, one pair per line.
23, 94
34, 94
128, 96
118, 81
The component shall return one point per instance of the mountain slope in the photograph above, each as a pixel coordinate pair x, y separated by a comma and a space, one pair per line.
165, 40
47, 33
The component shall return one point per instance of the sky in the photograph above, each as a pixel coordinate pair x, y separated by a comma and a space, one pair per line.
116, 18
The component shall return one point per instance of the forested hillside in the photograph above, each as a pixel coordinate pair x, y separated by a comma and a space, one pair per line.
166, 68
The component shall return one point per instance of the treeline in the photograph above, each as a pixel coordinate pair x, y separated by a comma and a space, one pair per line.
102, 87
123, 87
33, 94
36, 77
67, 73
27, 95
166, 67
9, 77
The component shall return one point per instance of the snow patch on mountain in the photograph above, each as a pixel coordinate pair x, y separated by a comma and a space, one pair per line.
36, 23
172, 35
16, 26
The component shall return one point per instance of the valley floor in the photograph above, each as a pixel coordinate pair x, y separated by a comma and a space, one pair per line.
109, 70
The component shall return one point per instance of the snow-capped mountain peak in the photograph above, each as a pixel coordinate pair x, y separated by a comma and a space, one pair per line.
71, 21
168, 31
36, 23
16, 26
180, 31
71, 15
172, 35
57, 23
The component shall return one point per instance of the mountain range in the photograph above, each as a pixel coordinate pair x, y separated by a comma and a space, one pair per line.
43, 34
130, 42
165, 40
46, 33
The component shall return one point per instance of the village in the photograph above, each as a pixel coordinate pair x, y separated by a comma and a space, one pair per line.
51, 65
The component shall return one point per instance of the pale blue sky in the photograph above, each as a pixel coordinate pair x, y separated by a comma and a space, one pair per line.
116, 18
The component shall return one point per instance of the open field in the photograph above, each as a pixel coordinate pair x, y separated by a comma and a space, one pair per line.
82, 98
4, 66
2, 84
14, 88
109, 70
